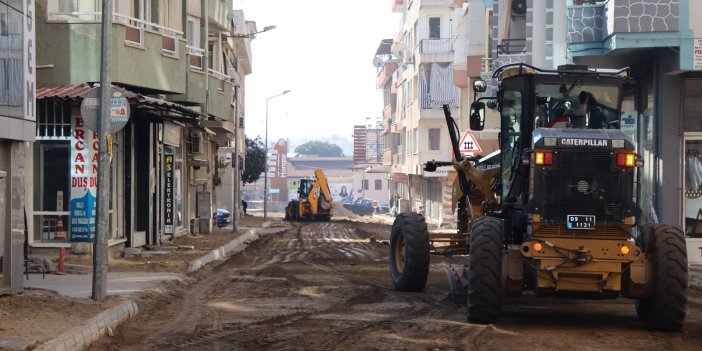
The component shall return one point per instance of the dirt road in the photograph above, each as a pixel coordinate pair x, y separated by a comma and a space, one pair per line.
326, 286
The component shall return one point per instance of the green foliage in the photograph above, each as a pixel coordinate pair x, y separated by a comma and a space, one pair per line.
255, 162
319, 148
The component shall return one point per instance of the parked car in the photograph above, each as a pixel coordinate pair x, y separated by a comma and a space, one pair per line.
223, 217
361, 207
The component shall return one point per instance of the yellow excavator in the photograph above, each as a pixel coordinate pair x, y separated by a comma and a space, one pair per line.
314, 201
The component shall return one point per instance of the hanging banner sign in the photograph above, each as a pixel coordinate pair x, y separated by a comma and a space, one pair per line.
168, 191
83, 173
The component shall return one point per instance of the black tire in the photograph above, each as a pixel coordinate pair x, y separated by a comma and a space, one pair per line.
665, 309
484, 268
409, 252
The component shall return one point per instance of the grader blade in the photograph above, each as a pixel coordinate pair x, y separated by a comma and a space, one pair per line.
458, 284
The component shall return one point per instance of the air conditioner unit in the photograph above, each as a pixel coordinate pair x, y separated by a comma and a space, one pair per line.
196, 143
519, 7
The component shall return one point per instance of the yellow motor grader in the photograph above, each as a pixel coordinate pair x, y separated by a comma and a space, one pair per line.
559, 217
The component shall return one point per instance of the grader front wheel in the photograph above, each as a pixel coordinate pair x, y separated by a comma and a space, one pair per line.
409, 252
484, 267
665, 308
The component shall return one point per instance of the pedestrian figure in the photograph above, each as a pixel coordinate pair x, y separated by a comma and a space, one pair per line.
244, 205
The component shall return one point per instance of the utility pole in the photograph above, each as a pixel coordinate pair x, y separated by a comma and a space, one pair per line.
235, 169
100, 252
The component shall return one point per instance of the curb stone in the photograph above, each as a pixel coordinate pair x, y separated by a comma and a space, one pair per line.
232, 247
81, 337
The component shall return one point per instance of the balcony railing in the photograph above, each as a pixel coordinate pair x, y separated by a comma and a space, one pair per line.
196, 55
511, 46
134, 35
486, 64
219, 76
436, 46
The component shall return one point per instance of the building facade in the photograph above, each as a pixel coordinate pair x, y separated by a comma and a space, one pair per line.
17, 118
428, 64
179, 67
657, 41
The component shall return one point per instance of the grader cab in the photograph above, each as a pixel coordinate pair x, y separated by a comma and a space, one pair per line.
559, 217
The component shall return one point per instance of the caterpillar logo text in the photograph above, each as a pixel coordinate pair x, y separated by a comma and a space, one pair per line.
584, 142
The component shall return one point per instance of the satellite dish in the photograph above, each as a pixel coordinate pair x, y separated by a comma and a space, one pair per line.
378, 62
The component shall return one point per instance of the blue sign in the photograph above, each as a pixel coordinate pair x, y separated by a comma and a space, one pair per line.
83, 172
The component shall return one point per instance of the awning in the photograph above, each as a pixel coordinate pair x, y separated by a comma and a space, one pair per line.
379, 169
169, 106
79, 91
74, 92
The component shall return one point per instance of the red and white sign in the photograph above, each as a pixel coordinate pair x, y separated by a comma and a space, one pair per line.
469, 144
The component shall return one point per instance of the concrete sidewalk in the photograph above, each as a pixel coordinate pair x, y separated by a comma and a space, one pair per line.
126, 284
80, 285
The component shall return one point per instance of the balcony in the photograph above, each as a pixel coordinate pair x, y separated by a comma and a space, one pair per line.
599, 27
436, 46
143, 54
220, 88
386, 74
219, 12
437, 3
512, 47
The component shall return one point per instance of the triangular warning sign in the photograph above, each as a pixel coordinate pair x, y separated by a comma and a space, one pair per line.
468, 144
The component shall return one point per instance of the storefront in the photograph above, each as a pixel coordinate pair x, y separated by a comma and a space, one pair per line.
692, 165
62, 164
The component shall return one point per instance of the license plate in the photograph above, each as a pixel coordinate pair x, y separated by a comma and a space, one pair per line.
581, 222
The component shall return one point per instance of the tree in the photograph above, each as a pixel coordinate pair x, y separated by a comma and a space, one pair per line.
255, 161
319, 148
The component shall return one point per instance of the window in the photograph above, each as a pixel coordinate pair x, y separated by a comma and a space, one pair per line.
415, 140
365, 184
434, 139
193, 34
11, 72
378, 184
434, 27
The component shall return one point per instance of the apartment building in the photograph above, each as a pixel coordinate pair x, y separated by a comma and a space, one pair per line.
179, 68
228, 188
418, 77
17, 125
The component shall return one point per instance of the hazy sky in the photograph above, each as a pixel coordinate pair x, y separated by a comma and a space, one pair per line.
322, 51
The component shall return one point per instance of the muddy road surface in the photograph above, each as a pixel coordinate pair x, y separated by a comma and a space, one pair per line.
326, 286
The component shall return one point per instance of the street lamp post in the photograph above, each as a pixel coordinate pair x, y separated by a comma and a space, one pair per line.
265, 176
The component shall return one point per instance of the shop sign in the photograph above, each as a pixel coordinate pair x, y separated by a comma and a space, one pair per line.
171, 134
119, 111
697, 60
83, 173
168, 191
30, 77
400, 178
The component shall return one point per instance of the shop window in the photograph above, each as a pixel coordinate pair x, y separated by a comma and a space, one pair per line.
51, 190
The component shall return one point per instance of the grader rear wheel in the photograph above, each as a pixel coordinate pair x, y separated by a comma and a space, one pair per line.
665, 308
409, 252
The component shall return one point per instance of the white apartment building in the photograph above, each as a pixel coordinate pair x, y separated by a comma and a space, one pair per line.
426, 68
